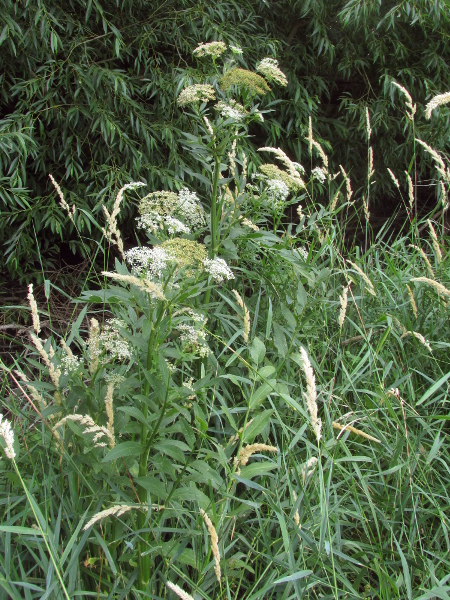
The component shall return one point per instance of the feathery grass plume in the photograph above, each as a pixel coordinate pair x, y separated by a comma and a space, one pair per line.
410, 190
69, 361
368, 128
335, 201
93, 345
371, 172
356, 431
394, 178
89, 428
109, 407
112, 233
343, 302
39, 400
370, 287
114, 511
232, 159
435, 242
269, 68
7, 433
55, 374
246, 315
300, 212
296, 516
439, 288
235, 438
440, 165
154, 289
347, 183
425, 258
208, 126
309, 467
409, 103
311, 394
62, 202
310, 138
419, 337
366, 210
412, 301
438, 100
213, 49
178, 591
214, 543
246, 452
313, 143
294, 169
34, 310
252, 82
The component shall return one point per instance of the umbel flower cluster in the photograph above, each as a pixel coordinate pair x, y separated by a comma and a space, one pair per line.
176, 213
235, 77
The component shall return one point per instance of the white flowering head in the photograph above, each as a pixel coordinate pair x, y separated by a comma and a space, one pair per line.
193, 94
113, 343
319, 174
277, 193
236, 50
70, 363
218, 269
213, 49
150, 262
7, 435
231, 110
175, 213
269, 68
190, 209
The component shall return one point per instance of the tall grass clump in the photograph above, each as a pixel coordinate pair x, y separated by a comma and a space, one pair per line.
249, 406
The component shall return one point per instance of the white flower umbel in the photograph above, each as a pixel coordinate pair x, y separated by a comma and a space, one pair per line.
193, 340
236, 50
218, 269
196, 93
151, 261
231, 110
70, 363
319, 174
7, 434
213, 49
190, 209
269, 68
277, 192
115, 345
311, 394
175, 226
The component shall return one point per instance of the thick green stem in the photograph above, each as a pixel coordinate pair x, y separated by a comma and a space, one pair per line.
144, 560
215, 207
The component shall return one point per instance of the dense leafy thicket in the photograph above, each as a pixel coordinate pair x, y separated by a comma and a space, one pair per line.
89, 95
345, 57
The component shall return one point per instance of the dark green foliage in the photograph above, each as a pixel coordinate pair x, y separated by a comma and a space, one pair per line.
341, 57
